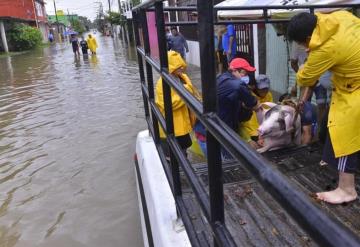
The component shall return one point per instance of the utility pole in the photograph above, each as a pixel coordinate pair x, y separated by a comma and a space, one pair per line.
70, 17
111, 26
57, 22
3, 36
109, 6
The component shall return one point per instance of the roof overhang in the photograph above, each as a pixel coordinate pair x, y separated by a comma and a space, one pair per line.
274, 13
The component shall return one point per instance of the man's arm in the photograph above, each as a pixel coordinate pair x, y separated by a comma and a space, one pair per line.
231, 40
231, 32
247, 98
294, 64
185, 44
317, 63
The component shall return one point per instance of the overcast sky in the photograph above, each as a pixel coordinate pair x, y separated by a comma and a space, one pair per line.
86, 8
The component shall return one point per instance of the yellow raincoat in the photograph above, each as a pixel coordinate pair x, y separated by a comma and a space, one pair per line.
335, 46
249, 128
92, 44
181, 116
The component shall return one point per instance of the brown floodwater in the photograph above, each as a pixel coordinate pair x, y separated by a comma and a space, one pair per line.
67, 139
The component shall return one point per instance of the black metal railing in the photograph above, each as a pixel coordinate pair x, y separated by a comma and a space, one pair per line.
323, 228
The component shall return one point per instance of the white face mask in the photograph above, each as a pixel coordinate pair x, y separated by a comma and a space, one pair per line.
245, 79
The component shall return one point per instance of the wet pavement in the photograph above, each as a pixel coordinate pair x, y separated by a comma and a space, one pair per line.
67, 139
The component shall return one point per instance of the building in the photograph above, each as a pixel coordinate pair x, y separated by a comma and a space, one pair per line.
31, 12
41, 18
62, 19
60, 24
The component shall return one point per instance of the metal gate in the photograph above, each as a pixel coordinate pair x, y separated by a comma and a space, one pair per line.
245, 42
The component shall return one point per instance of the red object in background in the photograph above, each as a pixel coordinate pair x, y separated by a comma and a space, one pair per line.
23, 10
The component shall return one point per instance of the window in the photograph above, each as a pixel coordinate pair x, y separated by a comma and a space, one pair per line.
39, 9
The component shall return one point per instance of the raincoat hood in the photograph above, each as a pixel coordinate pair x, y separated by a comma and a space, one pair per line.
175, 61
326, 26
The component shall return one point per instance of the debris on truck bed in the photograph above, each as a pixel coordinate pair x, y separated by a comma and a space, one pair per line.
253, 217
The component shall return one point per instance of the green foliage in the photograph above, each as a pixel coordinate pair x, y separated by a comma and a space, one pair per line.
86, 23
23, 37
135, 2
115, 18
77, 26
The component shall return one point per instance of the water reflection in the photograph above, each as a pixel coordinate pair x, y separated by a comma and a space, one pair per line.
94, 60
77, 61
9, 69
67, 132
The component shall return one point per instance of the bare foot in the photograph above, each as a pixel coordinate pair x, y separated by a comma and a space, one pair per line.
323, 163
337, 196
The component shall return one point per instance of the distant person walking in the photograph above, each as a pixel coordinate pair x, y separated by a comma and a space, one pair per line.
84, 46
229, 42
75, 44
92, 44
51, 37
178, 42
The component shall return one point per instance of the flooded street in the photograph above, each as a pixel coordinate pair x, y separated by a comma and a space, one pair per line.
67, 131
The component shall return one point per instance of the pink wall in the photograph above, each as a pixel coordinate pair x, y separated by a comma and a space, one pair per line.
154, 48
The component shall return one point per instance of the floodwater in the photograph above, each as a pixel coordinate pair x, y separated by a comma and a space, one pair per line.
67, 139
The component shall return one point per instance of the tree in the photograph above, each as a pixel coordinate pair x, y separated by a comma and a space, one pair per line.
115, 18
77, 26
86, 22
135, 2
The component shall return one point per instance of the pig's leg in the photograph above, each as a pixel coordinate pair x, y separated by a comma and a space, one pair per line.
270, 143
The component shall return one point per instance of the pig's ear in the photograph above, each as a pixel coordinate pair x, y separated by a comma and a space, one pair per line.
260, 114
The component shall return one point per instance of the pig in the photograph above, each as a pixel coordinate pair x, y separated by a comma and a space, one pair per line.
277, 127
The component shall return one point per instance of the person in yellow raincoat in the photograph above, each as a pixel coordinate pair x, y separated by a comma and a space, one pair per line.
92, 44
333, 43
248, 130
182, 117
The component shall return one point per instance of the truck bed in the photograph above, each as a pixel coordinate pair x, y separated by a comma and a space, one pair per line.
253, 217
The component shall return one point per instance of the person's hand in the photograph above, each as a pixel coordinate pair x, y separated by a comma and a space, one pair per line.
293, 90
300, 105
253, 144
261, 141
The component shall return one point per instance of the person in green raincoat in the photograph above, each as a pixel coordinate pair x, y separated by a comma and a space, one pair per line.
333, 43
92, 44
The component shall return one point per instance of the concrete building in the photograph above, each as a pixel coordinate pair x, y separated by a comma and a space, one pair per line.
31, 12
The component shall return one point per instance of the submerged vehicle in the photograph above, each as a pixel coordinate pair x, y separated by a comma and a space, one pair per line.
254, 200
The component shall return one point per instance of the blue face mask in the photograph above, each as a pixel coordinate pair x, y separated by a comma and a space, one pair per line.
245, 80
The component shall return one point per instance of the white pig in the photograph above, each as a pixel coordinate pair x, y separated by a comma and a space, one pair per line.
279, 126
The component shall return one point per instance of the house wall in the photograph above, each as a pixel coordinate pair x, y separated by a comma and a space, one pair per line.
43, 27
277, 64
40, 11
20, 9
